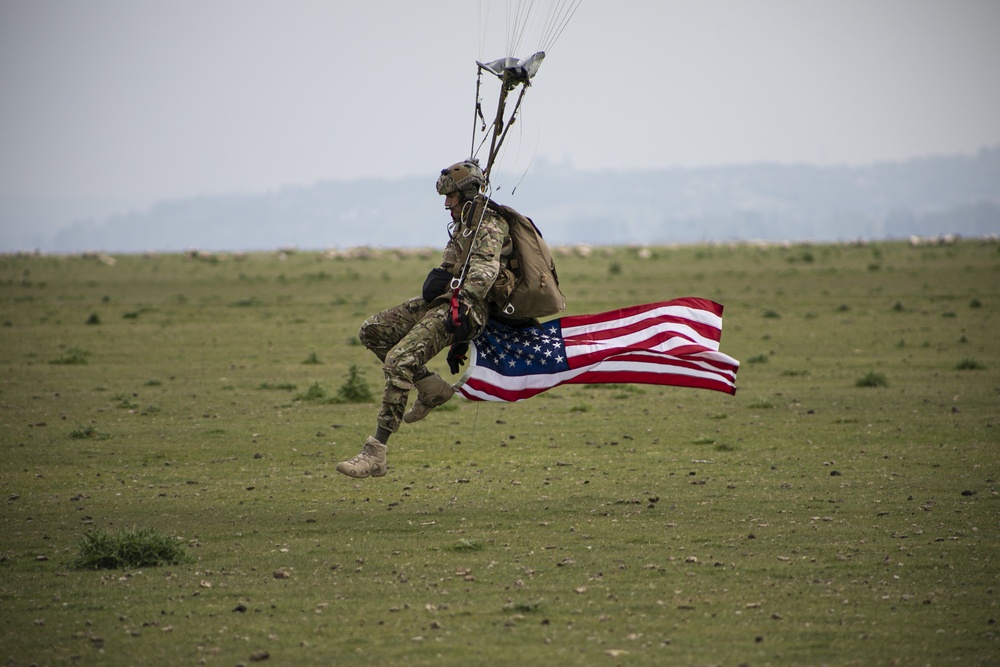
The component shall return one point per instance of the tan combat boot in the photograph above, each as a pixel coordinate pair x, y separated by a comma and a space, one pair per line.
432, 392
369, 462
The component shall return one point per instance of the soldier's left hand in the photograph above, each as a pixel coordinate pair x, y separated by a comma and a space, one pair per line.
456, 356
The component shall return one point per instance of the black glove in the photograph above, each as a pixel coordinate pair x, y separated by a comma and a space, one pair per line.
461, 331
437, 283
456, 356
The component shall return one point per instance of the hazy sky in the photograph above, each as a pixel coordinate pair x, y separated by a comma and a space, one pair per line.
151, 99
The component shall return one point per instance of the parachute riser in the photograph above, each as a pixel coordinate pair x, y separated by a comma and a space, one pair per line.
477, 114
500, 126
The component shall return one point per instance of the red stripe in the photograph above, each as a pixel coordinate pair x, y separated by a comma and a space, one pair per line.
501, 393
662, 366
640, 377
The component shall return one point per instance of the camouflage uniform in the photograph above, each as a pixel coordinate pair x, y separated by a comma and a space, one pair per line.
409, 335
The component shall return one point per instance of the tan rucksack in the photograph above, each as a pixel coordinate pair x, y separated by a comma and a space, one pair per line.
537, 292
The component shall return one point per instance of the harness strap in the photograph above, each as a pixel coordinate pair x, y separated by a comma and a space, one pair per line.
454, 307
478, 211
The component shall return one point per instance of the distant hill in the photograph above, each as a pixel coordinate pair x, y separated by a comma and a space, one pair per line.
927, 196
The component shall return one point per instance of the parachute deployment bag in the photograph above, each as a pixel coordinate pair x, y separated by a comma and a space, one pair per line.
537, 292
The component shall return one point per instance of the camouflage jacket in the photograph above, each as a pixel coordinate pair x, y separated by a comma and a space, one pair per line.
488, 279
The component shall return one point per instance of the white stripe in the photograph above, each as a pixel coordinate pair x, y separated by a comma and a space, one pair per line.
695, 358
635, 340
693, 314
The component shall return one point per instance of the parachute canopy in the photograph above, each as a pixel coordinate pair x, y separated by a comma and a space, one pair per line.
514, 71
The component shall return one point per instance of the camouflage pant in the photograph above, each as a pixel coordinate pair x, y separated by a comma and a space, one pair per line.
405, 338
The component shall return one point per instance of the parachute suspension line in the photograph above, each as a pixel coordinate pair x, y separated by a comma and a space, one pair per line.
475, 426
513, 72
520, 16
559, 16
531, 161
482, 26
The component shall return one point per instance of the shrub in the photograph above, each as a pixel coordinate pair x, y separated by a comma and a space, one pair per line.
73, 355
467, 545
872, 379
88, 433
283, 386
315, 393
138, 547
354, 389
125, 401
969, 364
311, 359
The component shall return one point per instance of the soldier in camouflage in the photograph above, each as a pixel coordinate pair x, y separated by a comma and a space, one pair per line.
407, 336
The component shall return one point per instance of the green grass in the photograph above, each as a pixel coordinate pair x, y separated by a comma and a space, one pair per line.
804, 521
128, 549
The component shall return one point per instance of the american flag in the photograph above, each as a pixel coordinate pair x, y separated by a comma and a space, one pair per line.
668, 343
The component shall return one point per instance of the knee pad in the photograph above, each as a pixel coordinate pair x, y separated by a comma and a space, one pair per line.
367, 334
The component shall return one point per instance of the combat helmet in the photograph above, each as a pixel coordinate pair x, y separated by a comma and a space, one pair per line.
465, 177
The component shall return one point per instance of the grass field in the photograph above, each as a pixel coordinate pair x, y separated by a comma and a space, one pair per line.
841, 509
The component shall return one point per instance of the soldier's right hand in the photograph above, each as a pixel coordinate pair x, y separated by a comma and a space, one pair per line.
436, 283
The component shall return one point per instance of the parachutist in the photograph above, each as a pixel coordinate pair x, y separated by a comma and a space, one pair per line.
406, 337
